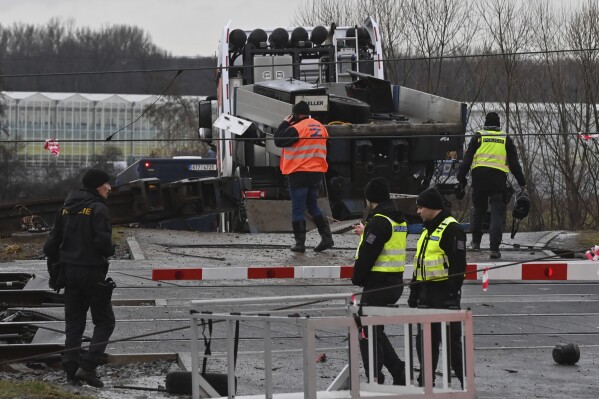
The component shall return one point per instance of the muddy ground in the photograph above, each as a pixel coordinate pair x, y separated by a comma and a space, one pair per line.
28, 246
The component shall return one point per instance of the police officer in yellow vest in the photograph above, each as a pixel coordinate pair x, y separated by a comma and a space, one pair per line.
492, 155
440, 252
304, 162
379, 263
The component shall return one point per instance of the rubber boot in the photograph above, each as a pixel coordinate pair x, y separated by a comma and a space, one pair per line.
90, 377
70, 368
325, 232
299, 232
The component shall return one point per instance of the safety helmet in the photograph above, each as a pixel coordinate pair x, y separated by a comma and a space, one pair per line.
279, 38
237, 39
363, 35
299, 37
521, 205
258, 38
319, 35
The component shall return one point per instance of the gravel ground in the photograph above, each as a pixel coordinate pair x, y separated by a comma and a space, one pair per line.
152, 375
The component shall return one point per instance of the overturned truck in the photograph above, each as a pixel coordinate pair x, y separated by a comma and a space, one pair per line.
375, 128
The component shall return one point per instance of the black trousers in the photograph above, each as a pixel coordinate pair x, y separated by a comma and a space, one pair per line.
84, 292
385, 353
480, 201
455, 345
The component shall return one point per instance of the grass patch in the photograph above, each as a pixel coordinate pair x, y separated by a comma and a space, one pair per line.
588, 238
36, 390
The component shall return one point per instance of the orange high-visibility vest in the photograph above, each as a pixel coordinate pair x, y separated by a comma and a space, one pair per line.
309, 153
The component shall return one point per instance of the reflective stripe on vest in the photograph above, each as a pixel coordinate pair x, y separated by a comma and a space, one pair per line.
492, 152
309, 153
392, 258
431, 261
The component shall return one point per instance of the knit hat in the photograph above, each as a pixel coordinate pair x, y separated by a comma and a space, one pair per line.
301, 108
377, 190
430, 198
492, 119
94, 178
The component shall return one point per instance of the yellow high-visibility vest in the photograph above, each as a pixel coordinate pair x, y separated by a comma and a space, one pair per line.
392, 258
492, 152
431, 261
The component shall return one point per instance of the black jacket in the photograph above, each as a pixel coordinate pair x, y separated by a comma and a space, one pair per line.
82, 233
286, 135
377, 232
445, 293
491, 179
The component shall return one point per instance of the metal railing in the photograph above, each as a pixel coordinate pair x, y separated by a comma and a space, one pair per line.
333, 312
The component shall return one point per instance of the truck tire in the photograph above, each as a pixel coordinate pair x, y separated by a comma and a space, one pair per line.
347, 109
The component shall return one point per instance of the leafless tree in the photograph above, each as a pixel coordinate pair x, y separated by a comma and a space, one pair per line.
507, 24
388, 14
326, 12
437, 29
175, 118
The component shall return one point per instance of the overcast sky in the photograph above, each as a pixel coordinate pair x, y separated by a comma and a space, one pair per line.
181, 27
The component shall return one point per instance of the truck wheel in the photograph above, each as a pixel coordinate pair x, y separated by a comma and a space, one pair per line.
347, 109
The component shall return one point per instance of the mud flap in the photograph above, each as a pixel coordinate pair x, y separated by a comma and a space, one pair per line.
270, 216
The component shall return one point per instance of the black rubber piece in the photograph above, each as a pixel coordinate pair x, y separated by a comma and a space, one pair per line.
566, 354
347, 109
179, 382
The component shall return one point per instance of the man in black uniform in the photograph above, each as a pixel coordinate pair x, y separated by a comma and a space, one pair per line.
440, 252
380, 261
81, 239
492, 155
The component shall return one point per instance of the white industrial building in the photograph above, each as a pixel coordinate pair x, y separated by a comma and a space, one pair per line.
79, 122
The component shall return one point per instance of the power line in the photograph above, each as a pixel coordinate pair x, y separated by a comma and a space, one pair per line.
179, 72
388, 60
241, 139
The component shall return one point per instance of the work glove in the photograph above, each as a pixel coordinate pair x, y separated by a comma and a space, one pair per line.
460, 190
413, 298
106, 288
412, 302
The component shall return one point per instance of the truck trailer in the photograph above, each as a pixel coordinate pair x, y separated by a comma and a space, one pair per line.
375, 128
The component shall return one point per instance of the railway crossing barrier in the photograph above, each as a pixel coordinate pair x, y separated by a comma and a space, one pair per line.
533, 271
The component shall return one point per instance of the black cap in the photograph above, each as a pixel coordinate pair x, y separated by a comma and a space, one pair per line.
492, 119
430, 198
301, 108
377, 190
94, 178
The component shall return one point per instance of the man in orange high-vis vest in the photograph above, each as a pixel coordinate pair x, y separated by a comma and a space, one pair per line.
304, 162
491, 155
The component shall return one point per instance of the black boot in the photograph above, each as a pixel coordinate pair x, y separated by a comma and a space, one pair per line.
325, 232
70, 368
299, 231
398, 372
